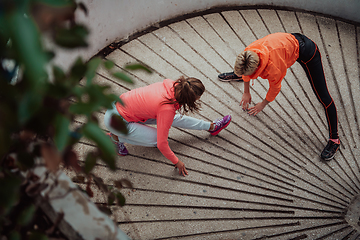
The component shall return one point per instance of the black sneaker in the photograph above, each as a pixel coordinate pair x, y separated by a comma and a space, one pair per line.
330, 150
230, 76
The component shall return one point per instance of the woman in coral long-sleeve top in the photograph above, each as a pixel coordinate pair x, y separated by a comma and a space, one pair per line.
158, 104
269, 58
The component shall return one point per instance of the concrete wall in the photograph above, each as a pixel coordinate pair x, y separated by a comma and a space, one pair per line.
114, 20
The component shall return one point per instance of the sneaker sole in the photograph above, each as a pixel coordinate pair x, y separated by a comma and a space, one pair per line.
122, 154
328, 159
230, 80
217, 132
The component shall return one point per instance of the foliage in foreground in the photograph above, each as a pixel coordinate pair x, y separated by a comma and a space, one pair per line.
41, 109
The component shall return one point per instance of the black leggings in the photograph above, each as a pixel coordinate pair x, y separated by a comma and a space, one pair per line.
310, 60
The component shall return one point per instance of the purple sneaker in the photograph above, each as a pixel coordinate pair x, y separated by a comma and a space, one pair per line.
220, 124
120, 147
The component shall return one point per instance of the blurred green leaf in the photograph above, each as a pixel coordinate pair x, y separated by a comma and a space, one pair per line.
109, 160
56, 3
26, 215
49, 55
9, 123
137, 66
28, 106
109, 64
78, 91
118, 123
96, 99
78, 179
122, 76
115, 98
5, 140
26, 40
74, 137
58, 90
38, 236
94, 133
81, 108
78, 70
100, 184
91, 69
120, 199
74, 37
111, 198
105, 210
59, 74
61, 131
9, 192
122, 183
14, 235
25, 160
90, 162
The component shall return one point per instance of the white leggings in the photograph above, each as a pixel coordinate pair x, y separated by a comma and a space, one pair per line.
141, 134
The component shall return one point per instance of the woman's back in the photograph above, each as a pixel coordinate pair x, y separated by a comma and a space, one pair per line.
144, 103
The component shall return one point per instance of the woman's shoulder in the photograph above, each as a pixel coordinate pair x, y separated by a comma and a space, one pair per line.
168, 82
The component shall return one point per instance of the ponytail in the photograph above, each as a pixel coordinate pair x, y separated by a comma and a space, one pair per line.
186, 93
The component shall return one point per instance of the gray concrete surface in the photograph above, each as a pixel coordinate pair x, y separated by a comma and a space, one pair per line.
261, 177
113, 20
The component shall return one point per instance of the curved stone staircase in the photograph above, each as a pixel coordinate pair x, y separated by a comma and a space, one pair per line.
261, 177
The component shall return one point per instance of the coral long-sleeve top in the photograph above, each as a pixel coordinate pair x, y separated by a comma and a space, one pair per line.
277, 52
146, 103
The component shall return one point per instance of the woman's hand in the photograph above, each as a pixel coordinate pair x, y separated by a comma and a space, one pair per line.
245, 101
258, 107
181, 166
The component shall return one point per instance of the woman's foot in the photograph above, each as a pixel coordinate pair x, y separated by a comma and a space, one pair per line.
220, 124
120, 147
330, 150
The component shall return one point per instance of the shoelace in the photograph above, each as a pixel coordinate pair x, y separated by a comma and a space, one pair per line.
334, 147
120, 146
217, 123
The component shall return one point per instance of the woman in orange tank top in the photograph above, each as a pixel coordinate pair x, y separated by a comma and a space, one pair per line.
269, 58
